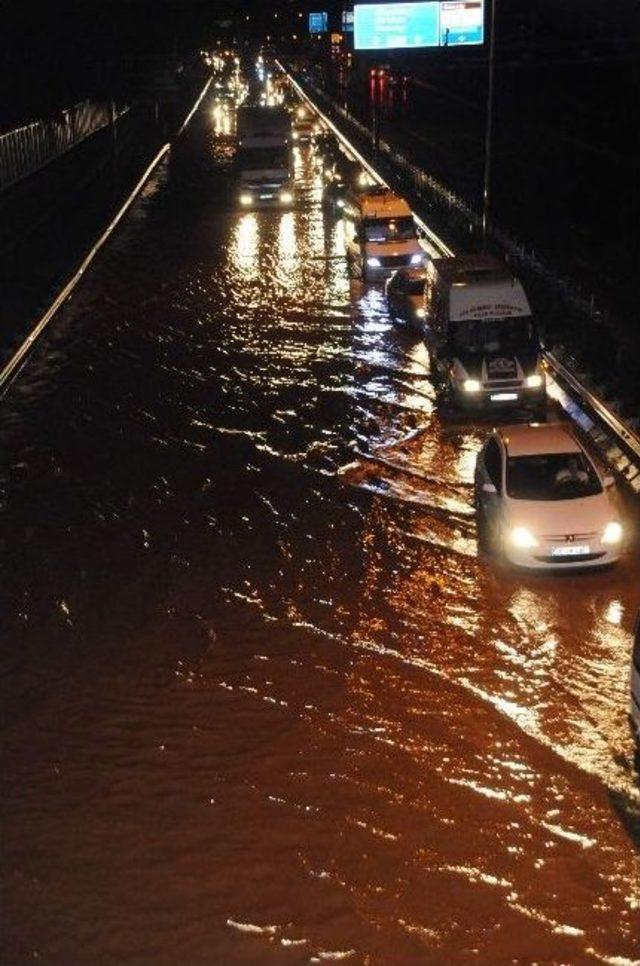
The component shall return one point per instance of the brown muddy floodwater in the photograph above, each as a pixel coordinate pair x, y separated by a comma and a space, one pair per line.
263, 702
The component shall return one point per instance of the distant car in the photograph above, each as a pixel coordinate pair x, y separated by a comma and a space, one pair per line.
327, 148
541, 501
334, 187
635, 683
305, 127
405, 297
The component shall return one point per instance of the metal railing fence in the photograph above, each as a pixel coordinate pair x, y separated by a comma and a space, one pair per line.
29, 148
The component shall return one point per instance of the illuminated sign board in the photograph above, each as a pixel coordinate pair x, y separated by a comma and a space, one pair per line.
433, 23
318, 23
347, 21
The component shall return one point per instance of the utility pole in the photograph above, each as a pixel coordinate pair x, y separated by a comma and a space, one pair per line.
374, 94
486, 197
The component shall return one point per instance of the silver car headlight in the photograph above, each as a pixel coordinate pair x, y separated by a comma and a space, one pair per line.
417, 259
612, 532
472, 385
245, 199
420, 313
522, 538
286, 197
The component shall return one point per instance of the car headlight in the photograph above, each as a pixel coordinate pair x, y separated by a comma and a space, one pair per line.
417, 259
612, 532
420, 313
295, 135
534, 381
286, 197
245, 199
472, 385
523, 538
373, 262
340, 202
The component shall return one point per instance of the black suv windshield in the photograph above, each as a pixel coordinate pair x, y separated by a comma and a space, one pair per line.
255, 159
493, 335
389, 229
551, 476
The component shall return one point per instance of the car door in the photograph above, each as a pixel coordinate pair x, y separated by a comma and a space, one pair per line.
635, 681
489, 482
400, 297
392, 295
404, 302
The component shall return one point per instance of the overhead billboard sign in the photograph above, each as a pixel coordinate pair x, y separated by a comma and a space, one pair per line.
432, 23
347, 21
318, 22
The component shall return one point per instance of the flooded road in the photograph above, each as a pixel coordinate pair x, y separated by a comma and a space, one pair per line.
263, 702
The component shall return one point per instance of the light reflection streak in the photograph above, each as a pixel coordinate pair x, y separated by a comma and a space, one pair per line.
287, 241
243, 250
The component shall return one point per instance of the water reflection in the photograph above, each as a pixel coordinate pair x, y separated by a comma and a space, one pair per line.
243, 250
423, 741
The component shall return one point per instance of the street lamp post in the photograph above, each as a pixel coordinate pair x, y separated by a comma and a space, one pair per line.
486, 196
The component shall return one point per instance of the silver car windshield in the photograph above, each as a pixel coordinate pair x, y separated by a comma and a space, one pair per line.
551, 476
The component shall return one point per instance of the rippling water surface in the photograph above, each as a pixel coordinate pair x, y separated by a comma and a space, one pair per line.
263, 702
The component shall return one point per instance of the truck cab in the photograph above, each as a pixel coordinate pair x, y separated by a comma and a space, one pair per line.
264, 157
381, 234
482, 340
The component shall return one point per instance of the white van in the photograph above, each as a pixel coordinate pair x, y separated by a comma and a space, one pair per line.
635, 683
381, 235
483, 343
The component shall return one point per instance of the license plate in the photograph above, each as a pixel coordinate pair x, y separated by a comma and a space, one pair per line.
571, 550
264, 197
504, 396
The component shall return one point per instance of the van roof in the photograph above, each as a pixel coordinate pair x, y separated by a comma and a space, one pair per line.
382, 203
470, 268
538, 439
480, 287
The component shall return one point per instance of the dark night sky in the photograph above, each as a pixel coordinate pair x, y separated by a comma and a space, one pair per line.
55, 53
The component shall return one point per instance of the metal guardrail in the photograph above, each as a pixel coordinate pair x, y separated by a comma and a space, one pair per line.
28, 149
524, 256
616, 441
19, 358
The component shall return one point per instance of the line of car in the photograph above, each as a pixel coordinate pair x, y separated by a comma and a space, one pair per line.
542, 502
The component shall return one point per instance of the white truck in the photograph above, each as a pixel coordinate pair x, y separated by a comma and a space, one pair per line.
264, 157
481, 337
381, 235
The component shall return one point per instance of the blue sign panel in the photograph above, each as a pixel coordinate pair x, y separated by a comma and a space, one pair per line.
431, 23
379, 27
318, 22
461, 23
